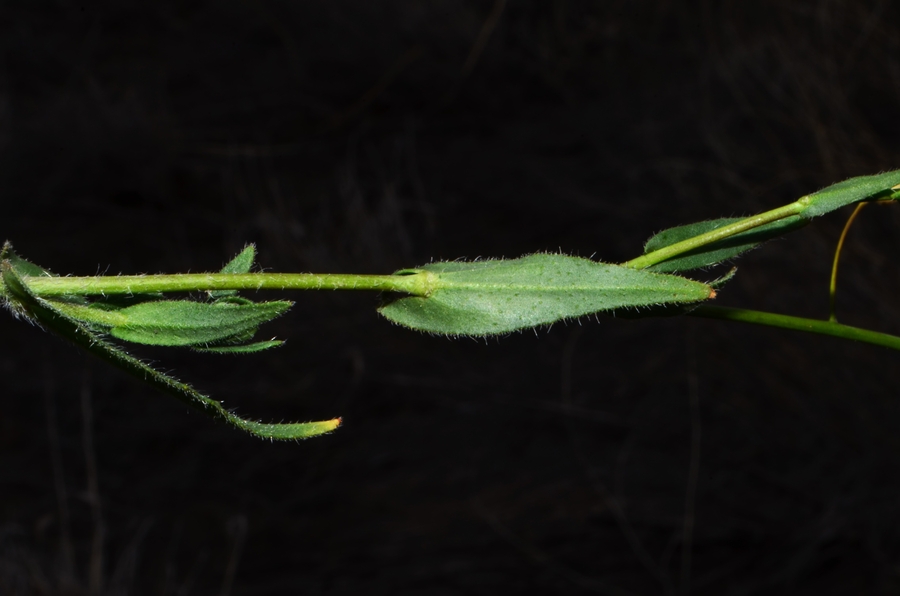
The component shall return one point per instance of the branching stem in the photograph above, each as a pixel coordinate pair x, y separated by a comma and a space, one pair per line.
673, 250
832, 328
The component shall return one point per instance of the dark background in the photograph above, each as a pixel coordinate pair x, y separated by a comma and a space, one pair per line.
660, 456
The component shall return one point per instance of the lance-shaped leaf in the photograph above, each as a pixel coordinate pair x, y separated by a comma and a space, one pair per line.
491, 297
239, 264
673, 310
45, 313
183, 323
178, 322
25, 268
238, 344
115, 302
716, 252
258, 346
851, 191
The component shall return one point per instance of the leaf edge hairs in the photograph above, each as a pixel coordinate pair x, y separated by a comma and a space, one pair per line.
455, 298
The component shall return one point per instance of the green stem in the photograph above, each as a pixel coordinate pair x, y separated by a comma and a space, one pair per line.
673, 250
77, 332
798, 324
417, 283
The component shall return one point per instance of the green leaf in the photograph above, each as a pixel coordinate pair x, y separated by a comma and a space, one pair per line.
25, 268
238, 344
185, 323
716, 252
239, 264
720, 282
850, 191
242, 348
673, 310
231, 299
177, 322
490, 297
233, 340
286, 431
120, 301
45, 313
242, 262
90, 314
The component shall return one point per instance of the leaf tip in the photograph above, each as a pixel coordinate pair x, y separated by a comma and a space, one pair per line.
315, 429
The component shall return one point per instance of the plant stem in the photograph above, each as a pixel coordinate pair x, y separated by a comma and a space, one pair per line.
798, 324
416, 283
832, 288
673, 250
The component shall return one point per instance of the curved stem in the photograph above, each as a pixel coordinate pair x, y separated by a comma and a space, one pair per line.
832, 288
832, 328
673, 250
416, 283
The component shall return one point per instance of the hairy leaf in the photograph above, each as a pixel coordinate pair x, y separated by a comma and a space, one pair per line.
242, 348
178, 322
716, 252
26, 268
672, 310
850, 191
185, 323
45, 313
242, 262
239, 264
490, 297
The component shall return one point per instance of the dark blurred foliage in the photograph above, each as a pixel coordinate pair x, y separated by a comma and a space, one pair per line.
371, 136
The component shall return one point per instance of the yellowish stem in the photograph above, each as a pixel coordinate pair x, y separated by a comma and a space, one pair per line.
832, 288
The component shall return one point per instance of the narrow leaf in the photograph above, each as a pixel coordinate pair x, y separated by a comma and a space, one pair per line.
73, 330
287, 431
242, 262
490, 297
850, 191
238, 344
239, 264
233, 340
720, 282
7, 255
91, 314
242, 348
672, 310
25, 268
716, 252
186, 323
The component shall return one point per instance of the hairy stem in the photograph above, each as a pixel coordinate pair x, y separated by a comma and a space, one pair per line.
36, 308
832, 328
416, 283
673, 250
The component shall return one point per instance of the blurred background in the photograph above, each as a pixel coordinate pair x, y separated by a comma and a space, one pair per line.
610, 456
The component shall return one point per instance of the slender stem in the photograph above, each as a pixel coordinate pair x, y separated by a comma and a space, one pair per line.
416, 283
798, 324
673, 250
832, 288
